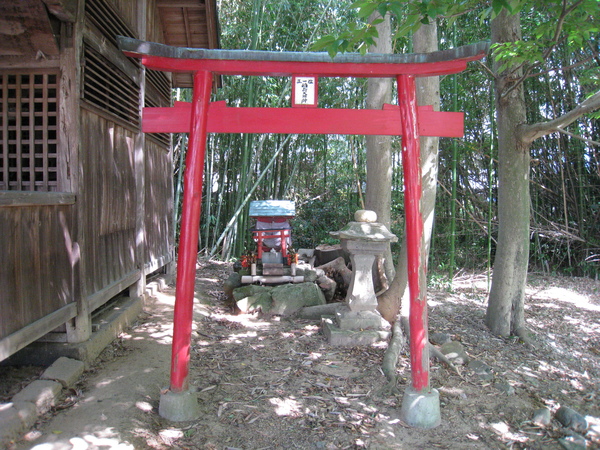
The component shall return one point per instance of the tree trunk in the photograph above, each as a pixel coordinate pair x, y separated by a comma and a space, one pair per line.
428, 93
505, 311
378, 197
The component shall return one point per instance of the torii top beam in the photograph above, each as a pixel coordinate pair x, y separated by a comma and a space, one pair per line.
235, 62
223, 119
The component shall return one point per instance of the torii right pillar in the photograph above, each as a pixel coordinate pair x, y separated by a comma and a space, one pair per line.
421, 403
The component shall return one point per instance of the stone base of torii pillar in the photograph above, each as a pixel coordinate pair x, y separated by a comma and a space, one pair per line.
358, 322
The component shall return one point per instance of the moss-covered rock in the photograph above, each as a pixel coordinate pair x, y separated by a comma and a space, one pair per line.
289, 298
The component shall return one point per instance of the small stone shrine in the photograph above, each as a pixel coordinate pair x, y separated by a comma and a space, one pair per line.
358, 322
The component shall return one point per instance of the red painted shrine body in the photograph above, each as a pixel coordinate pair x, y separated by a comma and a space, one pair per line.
272, 230
201, 117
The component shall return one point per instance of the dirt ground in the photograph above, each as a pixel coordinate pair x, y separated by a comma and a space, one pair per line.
275, 383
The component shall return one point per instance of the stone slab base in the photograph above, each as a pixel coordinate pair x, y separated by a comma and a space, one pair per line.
21, 413
360, 320
350, 338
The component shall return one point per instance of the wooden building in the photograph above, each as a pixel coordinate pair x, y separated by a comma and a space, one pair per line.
86, 199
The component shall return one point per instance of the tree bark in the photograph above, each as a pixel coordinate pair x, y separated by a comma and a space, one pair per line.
378, 197
505, 311
428, 93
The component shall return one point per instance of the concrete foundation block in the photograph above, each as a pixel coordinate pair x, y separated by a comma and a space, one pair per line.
11, 424
179, 406
421, 409
27, 412
107, 327
66, 371
42, 393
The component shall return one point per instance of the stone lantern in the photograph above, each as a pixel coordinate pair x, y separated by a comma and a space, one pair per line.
358, 322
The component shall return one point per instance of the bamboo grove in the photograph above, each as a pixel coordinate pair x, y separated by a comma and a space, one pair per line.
325, 175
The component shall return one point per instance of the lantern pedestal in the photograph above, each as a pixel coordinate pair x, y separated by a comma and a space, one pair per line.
358, 322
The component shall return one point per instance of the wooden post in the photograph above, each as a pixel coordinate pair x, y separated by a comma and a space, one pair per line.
71, 177
411, 150
188, 239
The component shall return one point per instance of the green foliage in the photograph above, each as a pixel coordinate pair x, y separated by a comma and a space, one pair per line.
437, 279
516, 54
355, 39
317, 217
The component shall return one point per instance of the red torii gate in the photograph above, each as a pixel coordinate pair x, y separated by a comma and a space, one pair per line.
202, 117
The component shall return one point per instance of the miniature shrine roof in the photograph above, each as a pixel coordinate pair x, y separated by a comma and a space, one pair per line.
272, 208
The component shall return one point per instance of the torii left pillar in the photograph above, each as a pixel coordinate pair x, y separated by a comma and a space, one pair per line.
421, 403
179, 403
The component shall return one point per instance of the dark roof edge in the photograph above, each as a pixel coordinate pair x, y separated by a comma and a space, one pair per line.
141, 48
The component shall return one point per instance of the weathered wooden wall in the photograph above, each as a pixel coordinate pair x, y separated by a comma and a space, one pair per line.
108, 192
37, 264
64, 254
154, 30
158, 206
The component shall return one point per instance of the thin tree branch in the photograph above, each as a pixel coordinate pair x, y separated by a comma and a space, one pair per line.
595, 54
576, 136
561, 69
530, 133
487, 69
465, 209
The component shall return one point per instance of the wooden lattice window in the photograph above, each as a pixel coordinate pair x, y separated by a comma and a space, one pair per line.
29, 131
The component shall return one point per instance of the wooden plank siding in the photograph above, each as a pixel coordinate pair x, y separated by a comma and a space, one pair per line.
108, 191
37, 261
154, 30
158, 206
128, 10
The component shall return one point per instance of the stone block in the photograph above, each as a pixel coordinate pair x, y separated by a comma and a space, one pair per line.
439, 338
27, 413
360, 320
455, 352
42, 393
481, 370
542, 417
249, 291
310, 275
290, 298
66, 371
11, 424
350, 338
421, 409
272, 269
571, 419
261, 301
179, 406
234, 281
